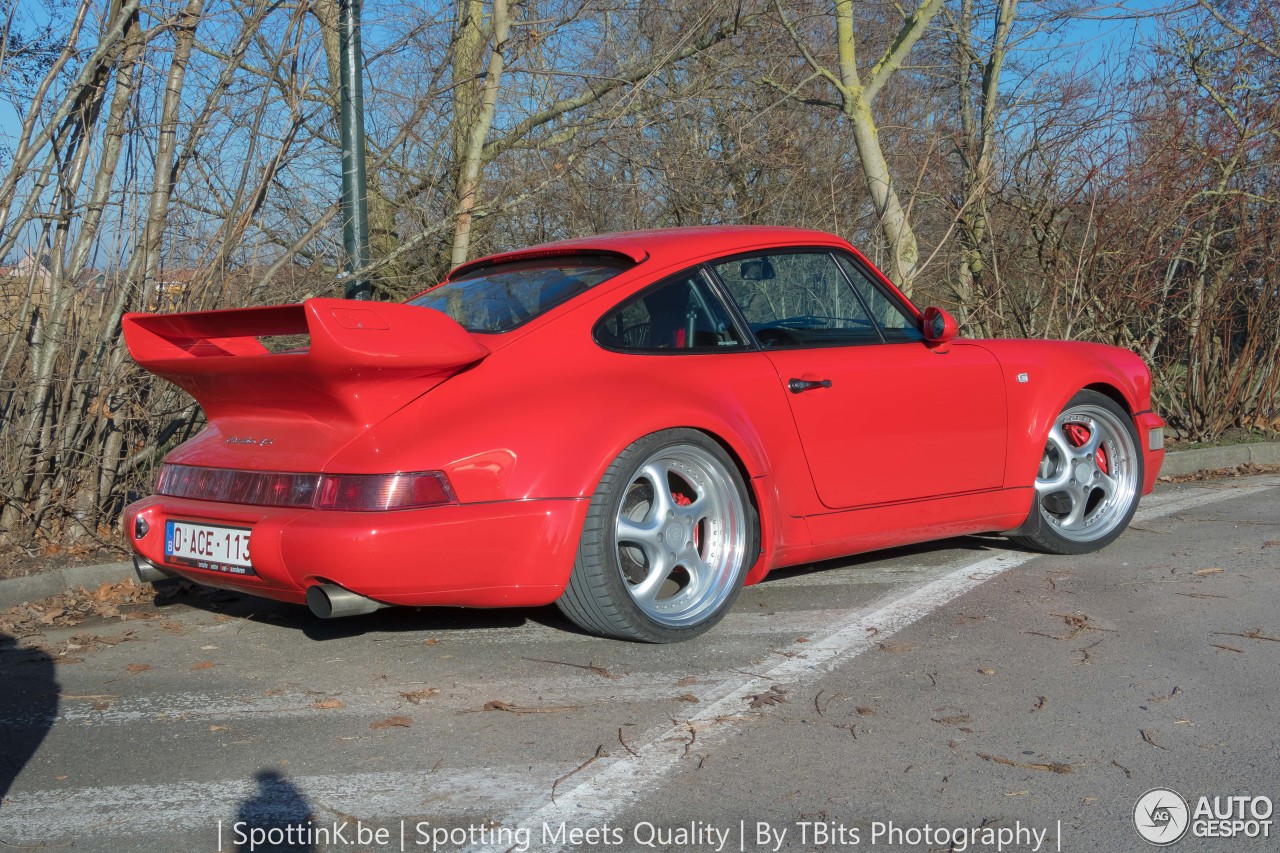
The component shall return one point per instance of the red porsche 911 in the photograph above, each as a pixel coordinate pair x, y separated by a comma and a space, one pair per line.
632, 426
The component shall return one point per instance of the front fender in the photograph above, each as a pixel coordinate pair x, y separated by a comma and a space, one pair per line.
1041, 377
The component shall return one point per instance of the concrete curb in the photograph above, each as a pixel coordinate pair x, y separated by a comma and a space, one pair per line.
1183, 462
33, 587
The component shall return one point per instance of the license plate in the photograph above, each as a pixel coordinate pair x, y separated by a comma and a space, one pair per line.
214, 547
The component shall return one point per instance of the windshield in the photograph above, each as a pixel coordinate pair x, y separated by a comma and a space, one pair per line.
499, 298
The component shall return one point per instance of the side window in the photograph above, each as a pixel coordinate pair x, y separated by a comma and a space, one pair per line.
893, 321
797, 299
682, 313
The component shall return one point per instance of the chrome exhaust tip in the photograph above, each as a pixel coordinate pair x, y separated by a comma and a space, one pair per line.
147, 571
330, 601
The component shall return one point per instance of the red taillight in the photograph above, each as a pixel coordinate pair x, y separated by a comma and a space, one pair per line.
374, 492
349, 492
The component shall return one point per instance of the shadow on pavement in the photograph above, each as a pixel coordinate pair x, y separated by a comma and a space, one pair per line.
264, 820
28, 706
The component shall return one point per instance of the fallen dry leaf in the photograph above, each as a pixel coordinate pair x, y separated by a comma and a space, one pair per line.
1150, 738
216, 728
987, 671
327, 704
1051, 767
391, 722
687, 697
1076, 621
138, 667
687, 680
417, 697
204, 664
1202, 572
499, 705
864, 711
775, 695
1251, 634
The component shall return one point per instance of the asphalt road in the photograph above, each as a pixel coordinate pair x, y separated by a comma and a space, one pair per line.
962, 695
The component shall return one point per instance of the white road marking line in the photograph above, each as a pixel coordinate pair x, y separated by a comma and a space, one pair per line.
41, 816
612, 783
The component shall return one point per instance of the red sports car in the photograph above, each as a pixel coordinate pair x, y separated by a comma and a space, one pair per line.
632, 426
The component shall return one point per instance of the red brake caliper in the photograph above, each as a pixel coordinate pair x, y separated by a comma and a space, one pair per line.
685, 500
1078, 435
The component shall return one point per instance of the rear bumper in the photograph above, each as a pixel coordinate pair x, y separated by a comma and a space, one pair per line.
501, 554
1150, 428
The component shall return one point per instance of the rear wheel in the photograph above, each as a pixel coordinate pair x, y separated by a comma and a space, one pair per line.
668, 539
1089, 479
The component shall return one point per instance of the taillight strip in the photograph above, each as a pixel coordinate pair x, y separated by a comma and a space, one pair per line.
342, 492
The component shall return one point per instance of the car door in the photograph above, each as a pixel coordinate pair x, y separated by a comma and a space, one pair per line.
881, 416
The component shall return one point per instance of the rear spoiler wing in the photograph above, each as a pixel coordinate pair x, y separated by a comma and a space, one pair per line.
218, 358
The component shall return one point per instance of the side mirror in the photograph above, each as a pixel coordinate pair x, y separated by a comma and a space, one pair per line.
939, 329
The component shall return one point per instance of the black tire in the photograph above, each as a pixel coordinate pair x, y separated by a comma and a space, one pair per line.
1085, 497
662, 570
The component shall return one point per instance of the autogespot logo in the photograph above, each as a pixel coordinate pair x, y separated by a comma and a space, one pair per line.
1161, 816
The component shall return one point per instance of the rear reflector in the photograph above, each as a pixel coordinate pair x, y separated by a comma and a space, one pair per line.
346, 492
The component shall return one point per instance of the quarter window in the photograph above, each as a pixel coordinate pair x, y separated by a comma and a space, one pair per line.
681, 314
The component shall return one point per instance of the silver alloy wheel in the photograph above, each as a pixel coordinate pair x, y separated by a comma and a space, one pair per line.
680, 535
1088, 477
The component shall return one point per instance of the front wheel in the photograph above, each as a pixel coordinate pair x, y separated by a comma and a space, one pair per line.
1089, 479
667, 542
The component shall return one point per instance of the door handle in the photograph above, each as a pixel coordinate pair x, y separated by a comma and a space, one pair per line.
799, 386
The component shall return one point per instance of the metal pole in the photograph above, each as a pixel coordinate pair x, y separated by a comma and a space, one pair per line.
355, 211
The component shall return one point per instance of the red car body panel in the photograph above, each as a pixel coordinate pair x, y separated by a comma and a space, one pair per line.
915, 444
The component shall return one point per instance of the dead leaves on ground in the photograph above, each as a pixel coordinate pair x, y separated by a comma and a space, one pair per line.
1245, 470
1048, 767
1251, 634
498, 705
1150, 737
417, 697
589, 667
1077, 622
397, 721
70, 608
775, 695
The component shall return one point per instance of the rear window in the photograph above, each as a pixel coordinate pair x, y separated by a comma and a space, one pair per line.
499, 298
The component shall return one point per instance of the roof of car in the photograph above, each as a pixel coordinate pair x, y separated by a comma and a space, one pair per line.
665, 244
